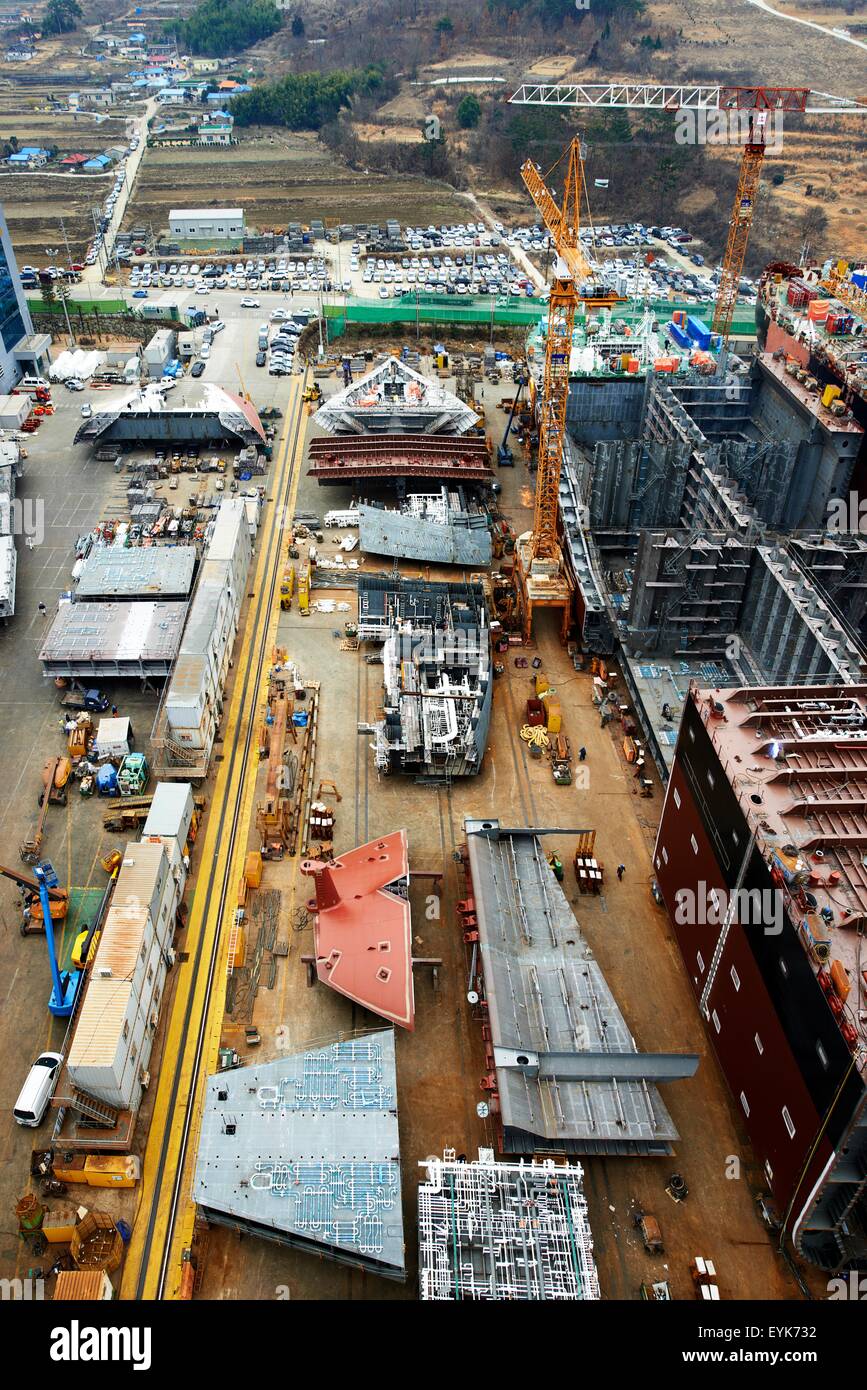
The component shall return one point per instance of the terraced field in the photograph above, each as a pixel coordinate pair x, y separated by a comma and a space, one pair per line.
278, 178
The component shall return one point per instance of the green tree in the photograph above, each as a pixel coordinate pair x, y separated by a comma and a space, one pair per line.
304, 100
469, 112
47, 292
297, 27
221, 28
61, 16
445, 25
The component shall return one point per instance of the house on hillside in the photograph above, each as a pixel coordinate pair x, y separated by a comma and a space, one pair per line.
29, 157
216, 132
99, 164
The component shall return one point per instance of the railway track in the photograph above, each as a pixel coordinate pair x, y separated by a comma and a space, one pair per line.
148, 1273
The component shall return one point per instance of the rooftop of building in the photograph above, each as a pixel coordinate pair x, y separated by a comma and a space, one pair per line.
796, 758
810, 400
135, 572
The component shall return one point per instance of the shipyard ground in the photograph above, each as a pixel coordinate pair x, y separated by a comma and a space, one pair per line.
440, 1065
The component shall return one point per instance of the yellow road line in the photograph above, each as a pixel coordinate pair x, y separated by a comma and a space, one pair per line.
183, 1233
156, 1192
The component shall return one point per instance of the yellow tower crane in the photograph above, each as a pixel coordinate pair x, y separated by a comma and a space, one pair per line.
746, 115
542, 577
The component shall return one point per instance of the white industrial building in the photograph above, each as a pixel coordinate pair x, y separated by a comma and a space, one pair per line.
187, 723
206, 224
110, 1051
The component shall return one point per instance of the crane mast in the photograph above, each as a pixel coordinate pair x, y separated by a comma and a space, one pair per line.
542, 575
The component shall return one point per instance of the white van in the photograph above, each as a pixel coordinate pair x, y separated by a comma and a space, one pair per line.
38, 1089
30, 383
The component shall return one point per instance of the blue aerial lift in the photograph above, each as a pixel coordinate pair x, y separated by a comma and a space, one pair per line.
67, 984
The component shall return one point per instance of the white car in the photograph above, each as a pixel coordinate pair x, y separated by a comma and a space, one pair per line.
205, 351
86, 410
38, 1089
250, 303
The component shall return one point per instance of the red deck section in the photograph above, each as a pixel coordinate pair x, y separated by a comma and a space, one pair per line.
363, 932
465, 459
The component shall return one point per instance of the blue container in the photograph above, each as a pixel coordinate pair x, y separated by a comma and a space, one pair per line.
124, 1230
676, 333
859, 278
698, 332
106, 780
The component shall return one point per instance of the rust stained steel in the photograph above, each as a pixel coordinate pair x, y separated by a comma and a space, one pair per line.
363, 928
399, 455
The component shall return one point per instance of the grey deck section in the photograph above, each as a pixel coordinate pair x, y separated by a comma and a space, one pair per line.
464, 540
113, 639
134, 572
548, 997
315, 1160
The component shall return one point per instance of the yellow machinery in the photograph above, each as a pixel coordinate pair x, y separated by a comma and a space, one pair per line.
272, 813
312, 393
97, 1170
80, 737
304, 588
287, 588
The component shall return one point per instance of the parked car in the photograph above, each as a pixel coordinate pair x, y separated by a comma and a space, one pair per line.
197, 369
38, 1089
261, 358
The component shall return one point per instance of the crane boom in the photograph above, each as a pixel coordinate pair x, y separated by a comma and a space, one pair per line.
563, 224
651, 96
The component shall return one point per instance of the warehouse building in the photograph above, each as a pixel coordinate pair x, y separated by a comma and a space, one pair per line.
217, 227
107, 1065
189, 716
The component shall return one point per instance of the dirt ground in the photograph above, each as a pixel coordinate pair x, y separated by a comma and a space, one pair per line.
282, 177
440, 1064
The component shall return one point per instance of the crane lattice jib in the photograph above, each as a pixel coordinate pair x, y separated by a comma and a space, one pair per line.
563, 223
552, 416
650, 96
738, 237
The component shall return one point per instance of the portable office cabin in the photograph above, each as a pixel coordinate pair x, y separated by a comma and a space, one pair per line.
118, 1018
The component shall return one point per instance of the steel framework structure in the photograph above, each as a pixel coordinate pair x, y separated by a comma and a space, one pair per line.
504, 1231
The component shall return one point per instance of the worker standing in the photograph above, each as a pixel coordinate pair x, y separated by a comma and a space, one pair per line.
621, 870
41, 610
582, 754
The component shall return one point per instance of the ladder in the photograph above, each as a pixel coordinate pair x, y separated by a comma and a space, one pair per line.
726, 927
95, 1113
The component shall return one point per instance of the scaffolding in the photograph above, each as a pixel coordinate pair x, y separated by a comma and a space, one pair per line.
495, 1231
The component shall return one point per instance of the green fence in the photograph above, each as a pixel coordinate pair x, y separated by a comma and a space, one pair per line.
86, 306
510, 311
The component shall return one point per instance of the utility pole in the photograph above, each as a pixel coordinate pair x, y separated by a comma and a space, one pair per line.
62, 292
